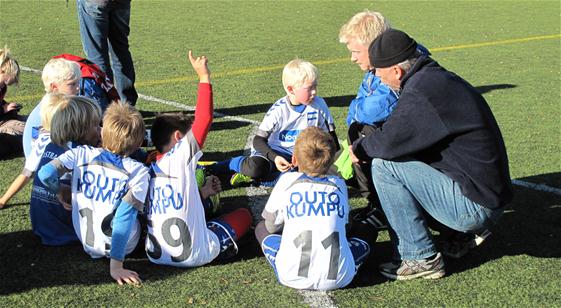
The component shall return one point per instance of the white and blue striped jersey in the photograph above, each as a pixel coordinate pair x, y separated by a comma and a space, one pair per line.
177, 228
283, 123
37, 148
312, 212
100, 180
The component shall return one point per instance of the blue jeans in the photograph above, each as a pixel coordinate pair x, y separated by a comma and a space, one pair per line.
409, 190
104, 30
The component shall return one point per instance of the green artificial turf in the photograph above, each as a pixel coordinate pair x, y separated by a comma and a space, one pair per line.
248, 42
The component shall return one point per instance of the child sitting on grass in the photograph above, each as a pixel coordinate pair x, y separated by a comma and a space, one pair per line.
178, 233
11, 124
75, 122
274, 141
59, 76
311, 210
108, 189
50, 103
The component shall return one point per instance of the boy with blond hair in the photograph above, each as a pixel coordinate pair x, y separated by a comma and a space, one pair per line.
273, 143
108, 189
50, 103
59, 76
11, 124
175, 202
75, 122
372, 106
310, 209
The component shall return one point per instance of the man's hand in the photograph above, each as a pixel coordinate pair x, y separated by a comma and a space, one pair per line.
282, 164
200, 65
122, 275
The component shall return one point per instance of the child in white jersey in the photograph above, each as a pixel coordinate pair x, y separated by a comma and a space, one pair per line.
75, 122
108, 189
273, 143
178, 233
311, 210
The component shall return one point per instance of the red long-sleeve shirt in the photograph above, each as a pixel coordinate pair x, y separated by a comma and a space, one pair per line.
203, 113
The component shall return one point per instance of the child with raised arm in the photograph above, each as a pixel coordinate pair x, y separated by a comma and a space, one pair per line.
310, 209
108, 189
175, 204
273, 143
75, 122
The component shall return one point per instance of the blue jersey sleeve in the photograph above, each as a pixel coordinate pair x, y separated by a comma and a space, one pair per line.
374, 103
123, 222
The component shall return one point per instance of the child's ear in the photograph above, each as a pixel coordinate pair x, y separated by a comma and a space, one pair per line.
294, 161
177, 135
290, 89
53, 87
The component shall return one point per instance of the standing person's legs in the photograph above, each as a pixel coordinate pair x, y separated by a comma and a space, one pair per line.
124, 75
406, 188
94, 28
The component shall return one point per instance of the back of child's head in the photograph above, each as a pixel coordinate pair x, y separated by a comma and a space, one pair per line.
314, 151
123, 129
74, 120
297, 72
9, 65
49, 105
365, 27
165, 125
57, 71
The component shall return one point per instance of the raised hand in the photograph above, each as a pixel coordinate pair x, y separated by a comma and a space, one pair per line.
200, 65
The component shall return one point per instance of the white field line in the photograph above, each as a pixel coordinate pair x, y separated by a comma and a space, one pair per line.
540, 187
317, 299
170, 103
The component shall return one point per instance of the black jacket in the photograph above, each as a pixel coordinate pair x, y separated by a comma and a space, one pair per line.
442, 120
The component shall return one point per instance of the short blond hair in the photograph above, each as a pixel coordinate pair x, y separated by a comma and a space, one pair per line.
73, 120
365, 27
9, 65
123, 129
49, 105
58, 71
297, 72
314, 151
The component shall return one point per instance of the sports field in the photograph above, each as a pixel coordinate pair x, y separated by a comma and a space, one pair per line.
509, 50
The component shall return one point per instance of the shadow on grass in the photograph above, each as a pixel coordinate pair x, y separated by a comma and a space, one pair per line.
491, 87
28, 265
333, 101
530, 226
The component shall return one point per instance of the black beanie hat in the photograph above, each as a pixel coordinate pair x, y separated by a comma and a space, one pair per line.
390, 48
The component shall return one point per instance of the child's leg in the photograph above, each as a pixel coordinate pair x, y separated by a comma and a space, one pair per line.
230, 227
360, 250
255, 166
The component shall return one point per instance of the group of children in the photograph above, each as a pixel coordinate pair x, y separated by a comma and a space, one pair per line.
87, 188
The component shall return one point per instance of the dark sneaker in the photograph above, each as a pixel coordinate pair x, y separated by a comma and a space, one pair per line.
372, 216
459, 245
432, 268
